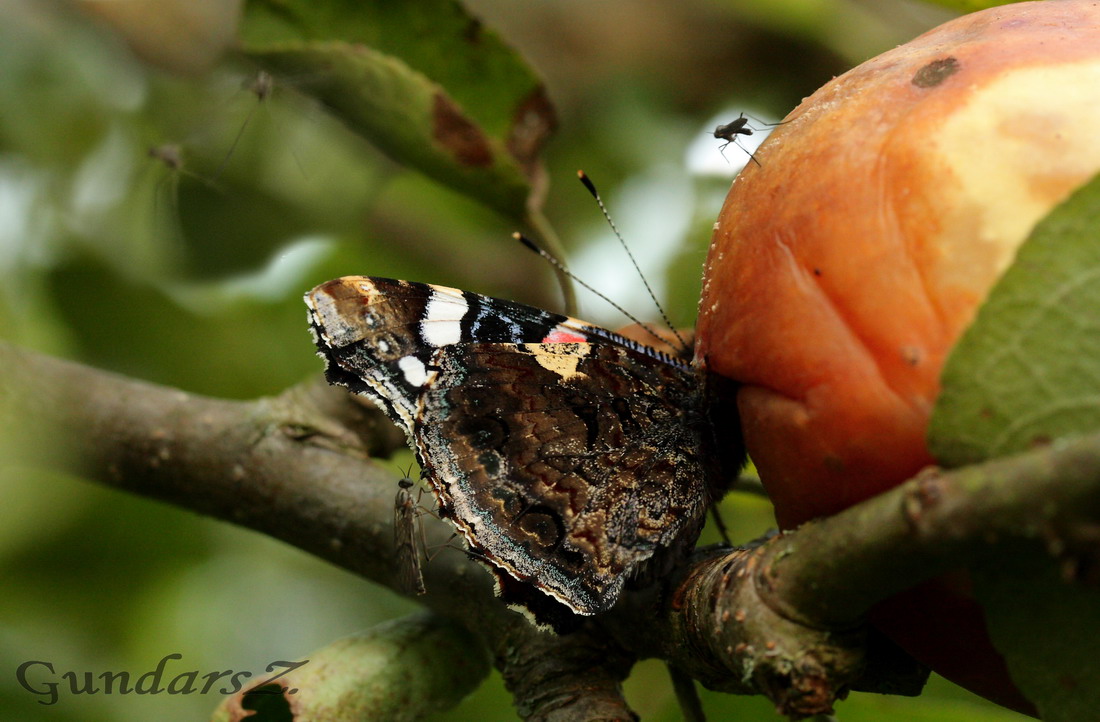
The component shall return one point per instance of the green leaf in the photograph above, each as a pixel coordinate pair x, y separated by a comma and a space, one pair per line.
424, 81
1028, 369
1046, 629
1026, 372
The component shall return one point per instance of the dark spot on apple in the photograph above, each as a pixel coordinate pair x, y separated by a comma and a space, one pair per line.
458, 134
935, 72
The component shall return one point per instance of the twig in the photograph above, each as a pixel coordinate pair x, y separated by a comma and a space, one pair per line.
552, 244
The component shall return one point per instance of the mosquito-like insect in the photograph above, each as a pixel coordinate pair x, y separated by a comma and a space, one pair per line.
408, 537
738, 126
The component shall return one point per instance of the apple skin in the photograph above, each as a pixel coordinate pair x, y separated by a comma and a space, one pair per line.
845, 265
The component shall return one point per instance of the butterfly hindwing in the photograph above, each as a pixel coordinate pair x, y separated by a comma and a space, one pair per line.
563, 461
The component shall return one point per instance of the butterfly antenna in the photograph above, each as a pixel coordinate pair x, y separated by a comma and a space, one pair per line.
599, 201
558, 265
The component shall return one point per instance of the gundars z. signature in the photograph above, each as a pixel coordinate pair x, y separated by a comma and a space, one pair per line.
41, 678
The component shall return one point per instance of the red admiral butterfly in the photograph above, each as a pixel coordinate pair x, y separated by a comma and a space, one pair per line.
568, 456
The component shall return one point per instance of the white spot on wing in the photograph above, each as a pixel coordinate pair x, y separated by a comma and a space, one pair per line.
442, 315
413, 368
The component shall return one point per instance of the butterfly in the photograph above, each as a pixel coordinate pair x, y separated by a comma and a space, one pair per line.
570, 458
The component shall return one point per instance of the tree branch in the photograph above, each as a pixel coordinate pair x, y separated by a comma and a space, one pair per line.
781, 618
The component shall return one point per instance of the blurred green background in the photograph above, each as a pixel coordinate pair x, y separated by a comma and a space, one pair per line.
192, 276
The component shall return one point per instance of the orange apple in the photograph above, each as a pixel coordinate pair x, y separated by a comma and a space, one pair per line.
845, 265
